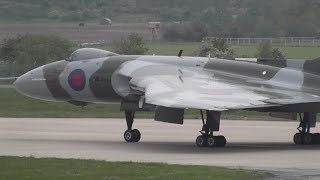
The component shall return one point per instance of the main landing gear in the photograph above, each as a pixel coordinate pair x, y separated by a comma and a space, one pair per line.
206, 139
304, 137
131, 135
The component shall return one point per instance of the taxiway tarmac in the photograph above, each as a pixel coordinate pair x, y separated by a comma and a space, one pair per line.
261, 145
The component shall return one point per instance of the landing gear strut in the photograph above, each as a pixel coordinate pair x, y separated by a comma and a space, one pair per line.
206, 139
304, 136
131, 135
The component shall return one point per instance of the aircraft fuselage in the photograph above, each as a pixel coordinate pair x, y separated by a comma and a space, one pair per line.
94, 80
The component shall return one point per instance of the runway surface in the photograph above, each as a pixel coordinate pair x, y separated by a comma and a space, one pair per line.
261, 145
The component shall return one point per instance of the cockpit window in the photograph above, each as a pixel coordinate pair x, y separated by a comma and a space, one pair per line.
89, 53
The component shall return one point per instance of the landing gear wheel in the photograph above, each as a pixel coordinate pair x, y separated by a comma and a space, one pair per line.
304, 137
201, 141
129, 136
297, 138
211, 141
137, 135
307, 138
211, 124
220, 141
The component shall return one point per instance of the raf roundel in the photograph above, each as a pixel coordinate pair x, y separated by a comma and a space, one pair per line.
77, 80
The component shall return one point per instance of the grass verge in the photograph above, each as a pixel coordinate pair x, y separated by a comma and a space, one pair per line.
48, 168
172, 48
13, 104
289, 52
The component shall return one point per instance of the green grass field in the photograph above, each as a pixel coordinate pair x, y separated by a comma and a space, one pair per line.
13, 104
169, 48
17, 168
289, 52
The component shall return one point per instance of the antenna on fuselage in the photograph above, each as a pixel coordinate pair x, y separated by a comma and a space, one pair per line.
180, 53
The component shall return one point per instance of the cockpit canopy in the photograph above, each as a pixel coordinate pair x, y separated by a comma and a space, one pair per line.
89, 53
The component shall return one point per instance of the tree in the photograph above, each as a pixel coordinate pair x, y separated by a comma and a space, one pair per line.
277, 54
266, 51
29, 51
133, 45
217, 47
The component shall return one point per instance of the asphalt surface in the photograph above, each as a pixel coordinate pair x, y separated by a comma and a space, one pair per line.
259, 145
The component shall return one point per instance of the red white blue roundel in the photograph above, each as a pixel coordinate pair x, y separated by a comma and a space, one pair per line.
77, 80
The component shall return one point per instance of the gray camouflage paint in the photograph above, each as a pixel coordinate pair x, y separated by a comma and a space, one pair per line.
277, 85
51, 73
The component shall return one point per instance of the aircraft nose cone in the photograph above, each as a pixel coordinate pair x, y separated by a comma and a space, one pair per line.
33, 84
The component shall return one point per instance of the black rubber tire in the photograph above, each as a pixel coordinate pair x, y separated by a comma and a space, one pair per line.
137, 135
129, 135
307, 138
297, 138
211, 141
221, 141
201, 141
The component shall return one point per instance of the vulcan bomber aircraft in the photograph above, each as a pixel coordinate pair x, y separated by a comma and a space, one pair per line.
168, 85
